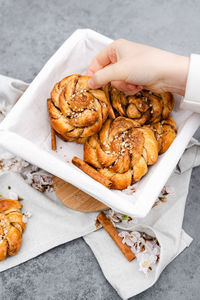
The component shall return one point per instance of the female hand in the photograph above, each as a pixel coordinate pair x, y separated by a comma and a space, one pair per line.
131, 67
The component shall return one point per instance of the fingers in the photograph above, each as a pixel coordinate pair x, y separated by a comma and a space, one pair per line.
127, 88
89, 72
122, 85
133, 92
104, 58
100, 61
112, 72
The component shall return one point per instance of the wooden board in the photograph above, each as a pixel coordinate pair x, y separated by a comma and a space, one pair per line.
74, 198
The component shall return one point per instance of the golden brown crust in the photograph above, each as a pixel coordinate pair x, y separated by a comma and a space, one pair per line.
77, 112
6, 204
122, 151
165, 133
11, 227
144, 107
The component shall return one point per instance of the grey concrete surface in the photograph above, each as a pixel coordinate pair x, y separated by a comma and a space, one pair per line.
30, 32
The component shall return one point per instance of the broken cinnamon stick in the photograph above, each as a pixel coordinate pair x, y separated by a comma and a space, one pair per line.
53, 139
91, 172
111, 230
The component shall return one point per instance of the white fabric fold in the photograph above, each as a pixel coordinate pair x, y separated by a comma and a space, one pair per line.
11, 89
164, 221
122, 275
53, 224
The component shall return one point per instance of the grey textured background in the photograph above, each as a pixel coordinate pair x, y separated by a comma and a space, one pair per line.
30, 32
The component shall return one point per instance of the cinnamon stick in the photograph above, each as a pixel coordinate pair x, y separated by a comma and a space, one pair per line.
53, 139
111, 230
91, 172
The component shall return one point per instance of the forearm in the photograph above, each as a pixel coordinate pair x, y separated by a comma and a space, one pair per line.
176, 73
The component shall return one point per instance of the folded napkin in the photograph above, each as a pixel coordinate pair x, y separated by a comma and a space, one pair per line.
56, 224
164, 221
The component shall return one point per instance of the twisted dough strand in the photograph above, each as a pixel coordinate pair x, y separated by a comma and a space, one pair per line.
145, 107
76, 111
122, 151
11, 227
165, 133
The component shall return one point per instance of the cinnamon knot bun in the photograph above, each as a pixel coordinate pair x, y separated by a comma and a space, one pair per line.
77, 112
11, 227
122, 151
145, 107
165, 133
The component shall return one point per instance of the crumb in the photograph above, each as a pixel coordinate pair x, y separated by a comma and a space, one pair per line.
162, 199
27, 214
129, 190
155, 204
164, 191
97, 224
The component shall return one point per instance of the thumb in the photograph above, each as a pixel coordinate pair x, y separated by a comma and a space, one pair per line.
111, 72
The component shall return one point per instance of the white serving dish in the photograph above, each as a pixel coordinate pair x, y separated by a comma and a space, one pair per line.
26, 131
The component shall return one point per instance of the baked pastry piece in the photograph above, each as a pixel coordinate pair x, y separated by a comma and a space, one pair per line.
122, 151
11, 227
76, 111
165, 133
145, 107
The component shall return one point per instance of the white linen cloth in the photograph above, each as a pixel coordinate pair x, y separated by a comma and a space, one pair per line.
56, 224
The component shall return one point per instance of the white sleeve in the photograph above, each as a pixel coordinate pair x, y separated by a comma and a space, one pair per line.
191, 100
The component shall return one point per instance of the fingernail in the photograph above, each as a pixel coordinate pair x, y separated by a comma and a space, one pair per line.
91, 83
